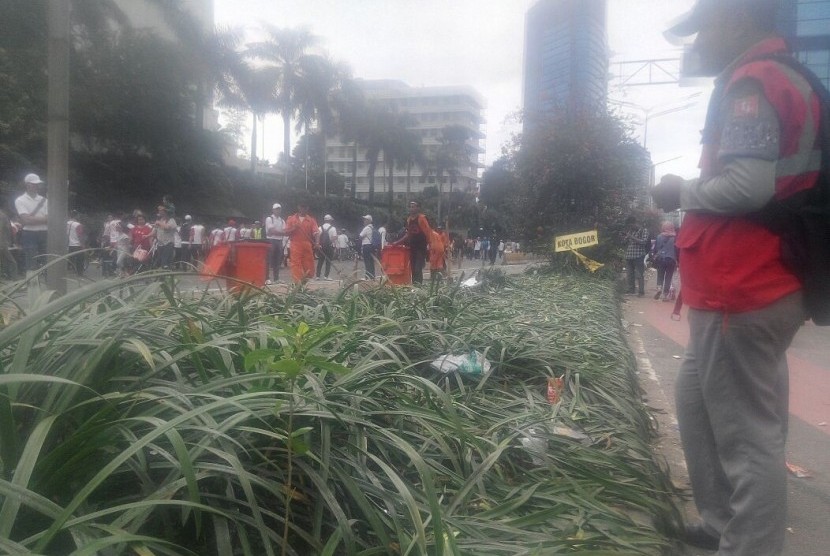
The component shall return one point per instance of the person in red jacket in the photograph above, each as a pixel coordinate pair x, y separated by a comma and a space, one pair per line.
302, 230
759, 144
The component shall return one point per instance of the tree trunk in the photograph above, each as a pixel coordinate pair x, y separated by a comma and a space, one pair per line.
286, 139
408, 181
354, 170
253, 147
373, 162
391, 182
439, 177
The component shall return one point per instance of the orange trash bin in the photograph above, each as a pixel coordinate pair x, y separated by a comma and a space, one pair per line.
395, 261
216, 263
249, 263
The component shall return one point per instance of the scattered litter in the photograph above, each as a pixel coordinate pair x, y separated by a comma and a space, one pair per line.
798, 471
636, 324
640, 312
555, 387
568, 432
676, 356
823, 424
472, 364
790, 530
472, 281
536, 445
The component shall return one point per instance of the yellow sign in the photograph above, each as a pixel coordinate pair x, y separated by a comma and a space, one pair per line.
575, 241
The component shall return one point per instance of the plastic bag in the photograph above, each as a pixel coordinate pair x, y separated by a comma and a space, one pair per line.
472, 364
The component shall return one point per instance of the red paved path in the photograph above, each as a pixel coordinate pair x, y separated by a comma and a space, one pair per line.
809, 380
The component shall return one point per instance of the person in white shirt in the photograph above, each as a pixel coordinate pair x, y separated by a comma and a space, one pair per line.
382, 232
198, 241
275, 233
231, 232
75, 235
33, 210
366, 246
342, 244
105, 243
217, 237
244, 231
165, 229
328, 239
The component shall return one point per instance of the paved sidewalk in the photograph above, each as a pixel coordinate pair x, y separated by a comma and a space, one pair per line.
658, 343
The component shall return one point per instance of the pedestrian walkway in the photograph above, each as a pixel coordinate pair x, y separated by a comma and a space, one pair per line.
658, 343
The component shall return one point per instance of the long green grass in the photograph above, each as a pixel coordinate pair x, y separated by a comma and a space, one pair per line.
139, 419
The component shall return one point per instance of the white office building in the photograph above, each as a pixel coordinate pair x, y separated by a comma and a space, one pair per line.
431, 109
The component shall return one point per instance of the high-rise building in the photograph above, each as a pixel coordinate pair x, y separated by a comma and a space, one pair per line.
806, 25
430, 109
566, 56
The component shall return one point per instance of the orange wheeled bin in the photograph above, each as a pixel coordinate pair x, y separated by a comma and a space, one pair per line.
245, 261
249, 263
395, 261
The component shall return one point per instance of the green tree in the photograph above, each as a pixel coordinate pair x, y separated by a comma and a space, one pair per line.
286, 52
350, 109
577, 171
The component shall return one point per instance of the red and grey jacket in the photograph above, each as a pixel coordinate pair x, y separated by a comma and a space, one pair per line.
761, 111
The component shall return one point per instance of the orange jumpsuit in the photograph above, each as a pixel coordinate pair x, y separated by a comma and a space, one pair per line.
302, 234
437, 250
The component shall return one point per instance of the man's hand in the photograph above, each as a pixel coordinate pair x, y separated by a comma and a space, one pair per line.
666, 194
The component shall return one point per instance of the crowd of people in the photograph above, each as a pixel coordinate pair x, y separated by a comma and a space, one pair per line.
131, 242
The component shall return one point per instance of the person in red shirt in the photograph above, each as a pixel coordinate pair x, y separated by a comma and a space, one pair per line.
417, 237
302, 230
140, 232
759, 144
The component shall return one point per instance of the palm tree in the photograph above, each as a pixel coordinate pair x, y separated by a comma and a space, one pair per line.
374, 131
212, 55
252, 90
285, 52
452, 153
401, 145
411, 153
350, 107
317, 91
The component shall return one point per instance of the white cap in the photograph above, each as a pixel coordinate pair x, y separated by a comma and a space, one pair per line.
32, 178
327, 217
187, 217
276, 206
367, 217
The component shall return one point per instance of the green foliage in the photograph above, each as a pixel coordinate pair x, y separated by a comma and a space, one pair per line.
574, 172
136, 418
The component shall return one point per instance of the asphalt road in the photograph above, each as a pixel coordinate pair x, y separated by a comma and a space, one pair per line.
658, 343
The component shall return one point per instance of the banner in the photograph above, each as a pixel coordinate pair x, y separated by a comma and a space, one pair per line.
575, 241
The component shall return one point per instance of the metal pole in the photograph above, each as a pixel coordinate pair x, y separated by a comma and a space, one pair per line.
57, 172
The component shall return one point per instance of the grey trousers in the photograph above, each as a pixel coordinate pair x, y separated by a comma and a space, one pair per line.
732, 407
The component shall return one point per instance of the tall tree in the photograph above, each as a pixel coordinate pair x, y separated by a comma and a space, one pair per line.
318, 90
401, 146
251, 90
286, 52
350, 108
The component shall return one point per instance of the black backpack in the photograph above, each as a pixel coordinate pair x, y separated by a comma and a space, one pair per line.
325, 238
802, 220
376, 240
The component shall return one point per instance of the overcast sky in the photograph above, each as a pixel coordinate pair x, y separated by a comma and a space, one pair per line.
480, 43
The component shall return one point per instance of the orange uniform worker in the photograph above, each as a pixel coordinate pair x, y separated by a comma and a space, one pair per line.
417, 237
302, 230
437, 253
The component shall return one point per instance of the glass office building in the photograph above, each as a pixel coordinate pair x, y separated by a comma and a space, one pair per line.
806, 25
565, 57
